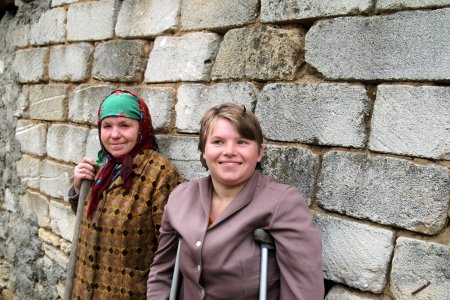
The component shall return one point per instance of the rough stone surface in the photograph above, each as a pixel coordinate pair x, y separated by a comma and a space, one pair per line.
401, 46
195, 99
339, 292
63, 142
32, 137
48, 102
139, 18
385, 190
50, 28
122, 60
30, 65
259, 53
35, 204
324, 114
70, 63
62, 220
185, 58
416, 264
292, 165
382, 5
356, 254
217, 14
56, 179
62, 2
92, 145
412, 121
276, 11
89, 21
28, 170
21, 35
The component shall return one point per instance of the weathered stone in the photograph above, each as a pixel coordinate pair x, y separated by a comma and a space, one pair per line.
67, 142
91, 21
85, 101
28, 170
324, 114
139, 18
195, 99
61, 2
21, 35
184, 58
49, 237
56, 179
31, 136
339, 292
259, 53
70, 63
401, 46
355, 254
217, 14
385, 190
50, 28
121, 60
412, 121
277, 11
35, 204
55, 255
30, 65
48, 102
21, 105
10, 201
92, 145
382, 5
292, 165
420, 270
62, 220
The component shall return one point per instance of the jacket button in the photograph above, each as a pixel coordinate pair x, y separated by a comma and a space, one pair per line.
199, 268
198, 243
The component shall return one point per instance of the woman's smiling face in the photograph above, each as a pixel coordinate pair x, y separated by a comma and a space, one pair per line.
119, 135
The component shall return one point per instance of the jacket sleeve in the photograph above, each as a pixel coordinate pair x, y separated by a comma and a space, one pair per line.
298, 249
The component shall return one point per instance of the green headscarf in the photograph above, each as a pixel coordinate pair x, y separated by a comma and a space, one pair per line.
120, 105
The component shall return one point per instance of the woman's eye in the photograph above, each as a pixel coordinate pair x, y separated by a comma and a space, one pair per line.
217, 142
242, 142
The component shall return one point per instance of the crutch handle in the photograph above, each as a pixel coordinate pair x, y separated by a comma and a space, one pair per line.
263, 237
266, 242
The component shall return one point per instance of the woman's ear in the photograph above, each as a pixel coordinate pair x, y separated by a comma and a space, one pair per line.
260, 153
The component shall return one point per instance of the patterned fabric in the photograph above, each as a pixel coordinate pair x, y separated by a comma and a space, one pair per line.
116, 245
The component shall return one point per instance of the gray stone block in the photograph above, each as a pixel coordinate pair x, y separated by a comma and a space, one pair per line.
412, 120
323, 114
217, 14
62, 2
339, 292
28, 170
90, 21
259, 53
182, 58
355, 254
387, 5
119, 60
420, 270
85, 101
278, 11
21, 35
385, 190
70, 63
62, 221
92, 145
66, 142
35, 204
30, 65
50, 28
31, 136
48, 102
195, 99
295, 166
402, 46
56, 179
139, 18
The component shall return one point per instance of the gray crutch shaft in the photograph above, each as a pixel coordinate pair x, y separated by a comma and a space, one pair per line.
266, 243
176, 274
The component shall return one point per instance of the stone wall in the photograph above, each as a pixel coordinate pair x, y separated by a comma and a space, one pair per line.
352, 95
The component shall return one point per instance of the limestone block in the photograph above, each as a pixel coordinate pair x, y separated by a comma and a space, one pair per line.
160, 102
56, 179
147, 18
409, 45
259, 53
56, 255
70, 63
31, 136
383, 5
92, 145
420, 268
94, 20
85, 101
9, 201
119, 60
217, 14
48, 102
191, 170
323, 114
195, 99
50, 28
292, 165
21, 35
355, 254
182, 58
29, 64
278, 11
412, 121
62, 2
49, 237
385, 190
339, 292
62, 220
35, 204
67, 142
28, 170
21, 106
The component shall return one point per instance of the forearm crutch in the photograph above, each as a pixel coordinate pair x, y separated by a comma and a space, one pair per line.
265, 240
176, 275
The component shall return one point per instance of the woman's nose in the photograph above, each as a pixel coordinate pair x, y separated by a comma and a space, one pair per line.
230, 149
115, 132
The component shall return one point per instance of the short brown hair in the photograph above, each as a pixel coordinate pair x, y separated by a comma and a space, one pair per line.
245, 122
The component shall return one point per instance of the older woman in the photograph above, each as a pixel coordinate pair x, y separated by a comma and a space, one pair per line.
121, 219
216, 215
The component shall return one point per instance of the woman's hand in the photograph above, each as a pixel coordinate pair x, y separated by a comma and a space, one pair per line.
84, 170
